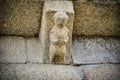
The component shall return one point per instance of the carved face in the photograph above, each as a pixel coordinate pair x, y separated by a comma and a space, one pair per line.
60, 18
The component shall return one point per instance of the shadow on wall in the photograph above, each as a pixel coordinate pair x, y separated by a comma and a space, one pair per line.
118, 18
4, 13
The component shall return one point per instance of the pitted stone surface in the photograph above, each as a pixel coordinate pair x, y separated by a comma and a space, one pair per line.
59, 72
100, 1
94, 18
12, 50
87, 50
20, 17
47, 72
7, 72
33, 49
102, 72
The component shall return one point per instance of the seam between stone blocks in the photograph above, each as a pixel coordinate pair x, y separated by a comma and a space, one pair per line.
15, 72
26, 52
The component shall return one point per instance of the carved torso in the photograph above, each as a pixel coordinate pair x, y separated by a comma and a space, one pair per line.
59, 37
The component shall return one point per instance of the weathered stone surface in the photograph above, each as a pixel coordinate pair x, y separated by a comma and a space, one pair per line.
33, 49
20, 17
96, 19
59, 49
7, 72
86, 50
102, 72
12, 50
47, 23
47, 72
100, 1
59, 72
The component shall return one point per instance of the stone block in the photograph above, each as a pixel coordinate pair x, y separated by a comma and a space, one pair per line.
102, 72
100, 1
20, 17
12, 50
33, 49
47, 72
94, 18
7, 72
89, 50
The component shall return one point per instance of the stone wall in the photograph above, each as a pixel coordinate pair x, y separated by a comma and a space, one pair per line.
95, 49
96, 18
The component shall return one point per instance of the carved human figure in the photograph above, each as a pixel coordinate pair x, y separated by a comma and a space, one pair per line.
59, 37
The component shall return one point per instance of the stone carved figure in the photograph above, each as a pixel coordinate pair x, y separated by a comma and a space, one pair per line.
59, 38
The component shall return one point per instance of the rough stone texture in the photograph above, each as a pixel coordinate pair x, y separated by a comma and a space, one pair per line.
12, 50
99, 18
49, 9
87, 50
47, 72
102, 72
20, 17
59, 72
33, 49
7, 72
96, 19
99, 1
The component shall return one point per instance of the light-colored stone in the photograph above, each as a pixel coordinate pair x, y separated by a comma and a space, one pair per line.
12, 50
49, 9
87, 50
102, 72
20, 17
7, 72
33, 49
47, 72
59, 40
96, 19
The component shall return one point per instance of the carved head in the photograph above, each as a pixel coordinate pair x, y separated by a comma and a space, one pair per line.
60, 18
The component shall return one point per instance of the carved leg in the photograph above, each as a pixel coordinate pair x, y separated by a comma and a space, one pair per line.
52, 51
66, 55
